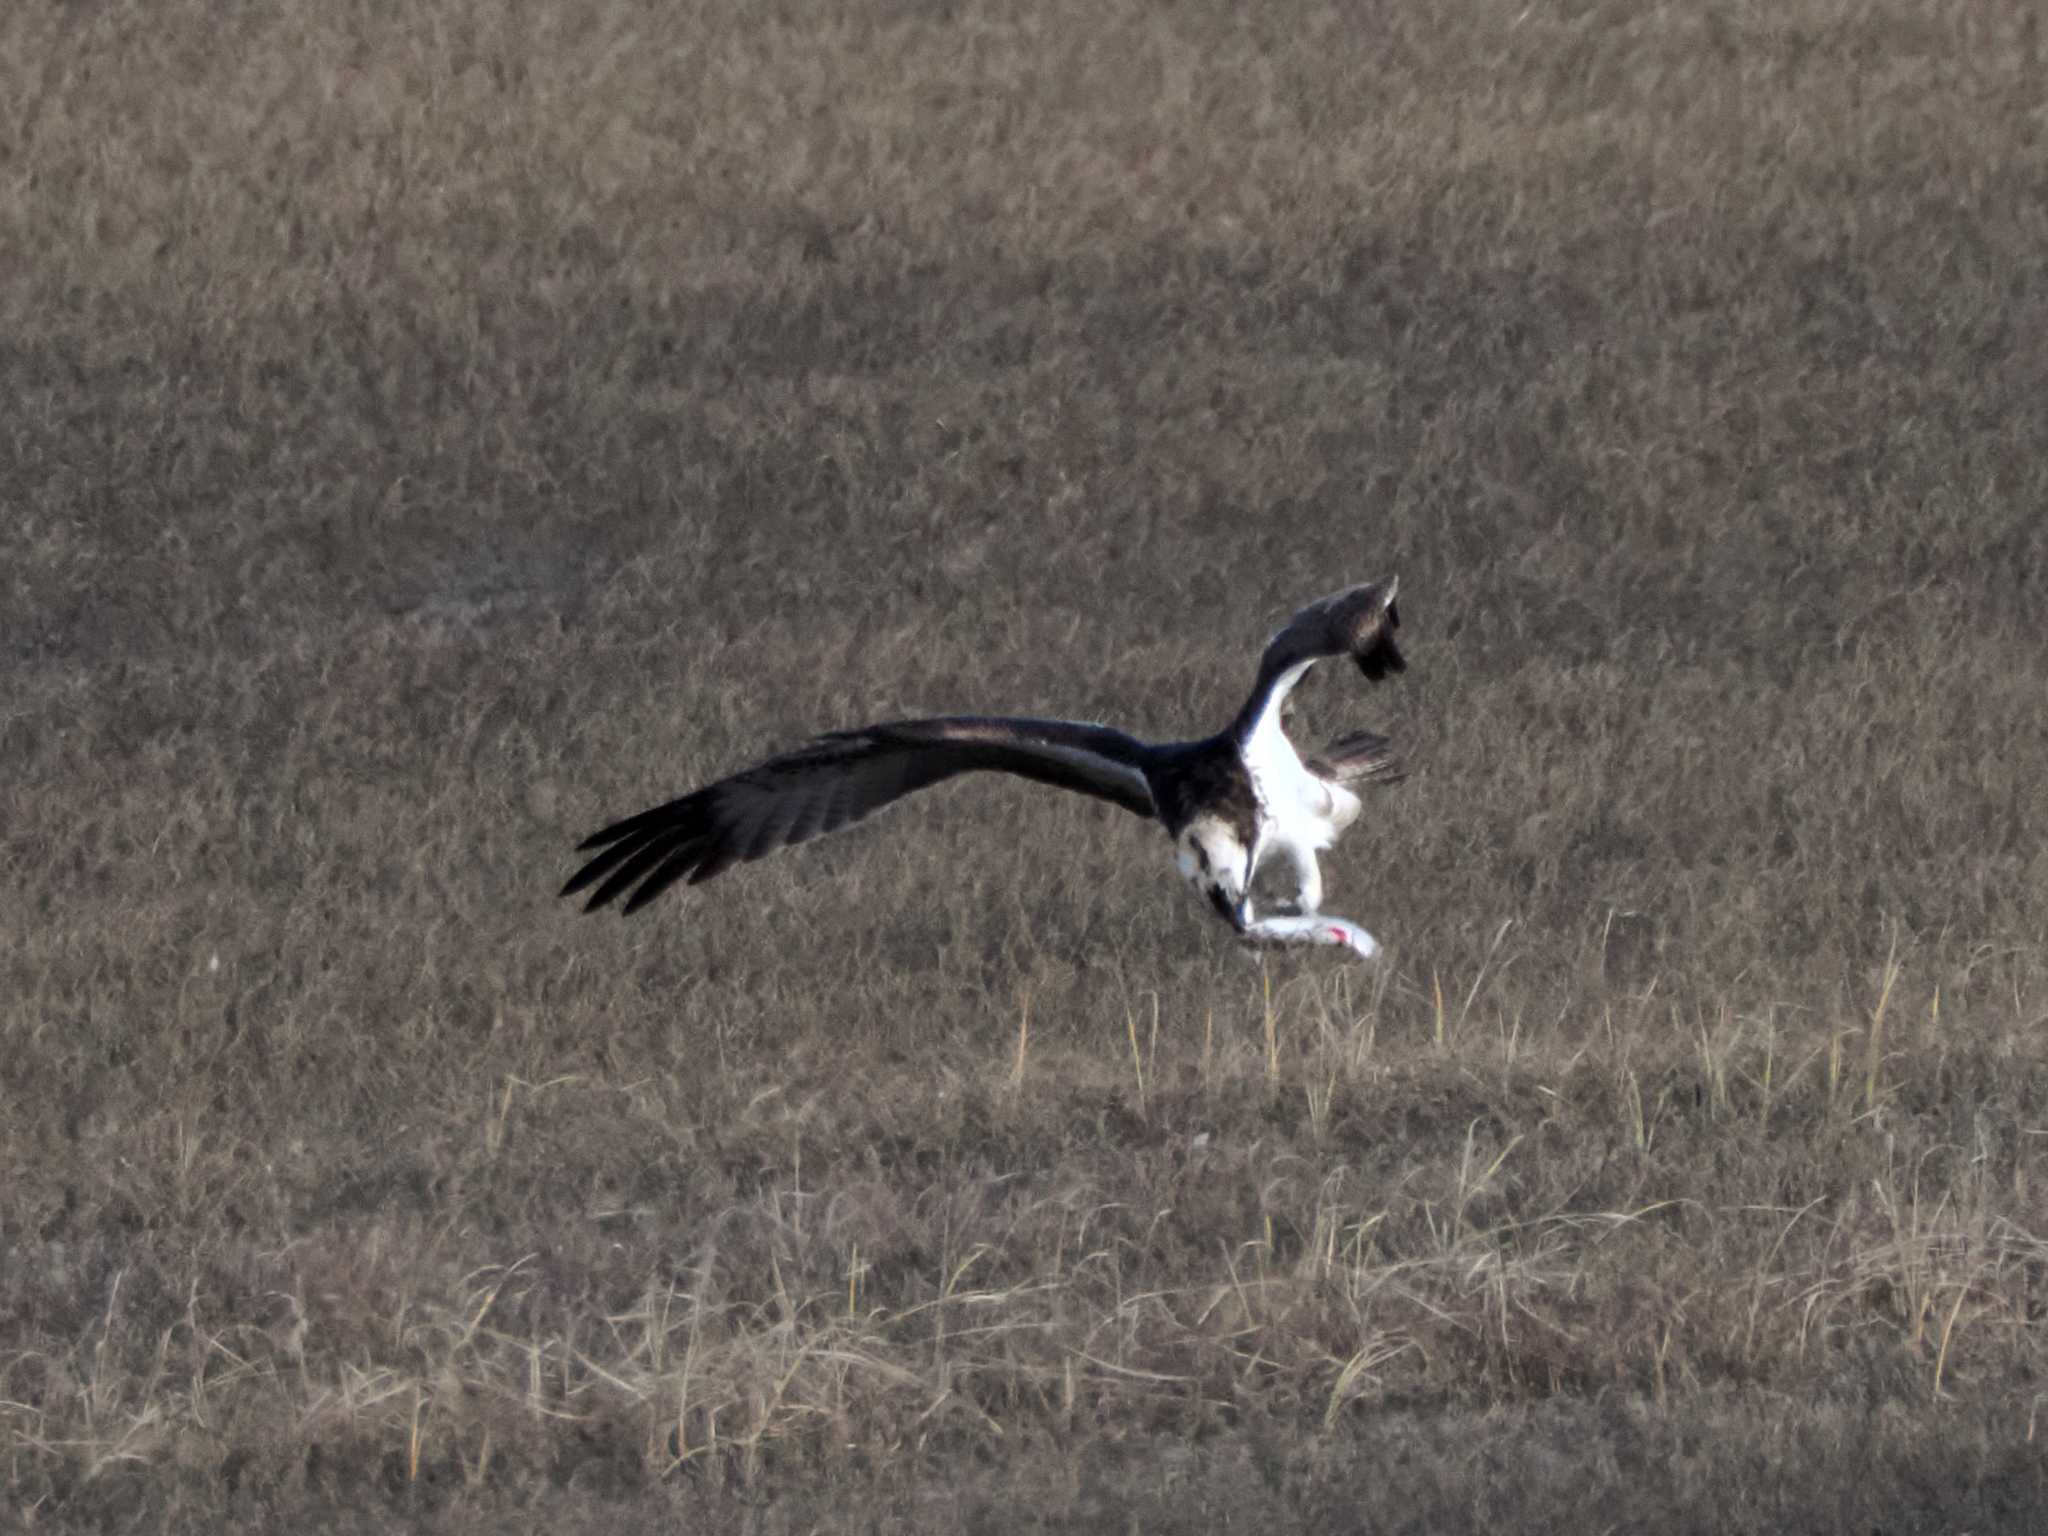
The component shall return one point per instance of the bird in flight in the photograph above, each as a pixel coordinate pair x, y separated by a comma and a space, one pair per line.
1230, 802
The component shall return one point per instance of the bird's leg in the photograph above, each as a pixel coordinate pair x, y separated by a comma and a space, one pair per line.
1301, 858
1281, 932
1308, 878
1223, 877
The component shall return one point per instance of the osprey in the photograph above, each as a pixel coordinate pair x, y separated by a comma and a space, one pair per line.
1230, 802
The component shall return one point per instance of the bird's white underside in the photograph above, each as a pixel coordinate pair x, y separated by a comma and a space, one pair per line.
1299, 816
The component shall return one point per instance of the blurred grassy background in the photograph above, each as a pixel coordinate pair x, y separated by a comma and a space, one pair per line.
433, 431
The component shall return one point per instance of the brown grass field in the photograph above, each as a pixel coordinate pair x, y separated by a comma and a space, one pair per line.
431, 431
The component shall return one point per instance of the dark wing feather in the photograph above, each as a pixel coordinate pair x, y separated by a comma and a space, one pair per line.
1373, 647
835, 781
1363, 757
1358, 622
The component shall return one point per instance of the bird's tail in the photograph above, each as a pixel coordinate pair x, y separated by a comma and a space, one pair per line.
1363, 757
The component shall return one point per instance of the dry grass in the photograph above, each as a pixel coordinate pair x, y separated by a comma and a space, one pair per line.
433, 431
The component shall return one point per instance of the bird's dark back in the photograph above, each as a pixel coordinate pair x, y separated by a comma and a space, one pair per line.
1207, 777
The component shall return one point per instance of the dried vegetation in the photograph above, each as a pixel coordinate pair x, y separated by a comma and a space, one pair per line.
433, 430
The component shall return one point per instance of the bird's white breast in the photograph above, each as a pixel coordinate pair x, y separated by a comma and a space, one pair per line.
1300, 808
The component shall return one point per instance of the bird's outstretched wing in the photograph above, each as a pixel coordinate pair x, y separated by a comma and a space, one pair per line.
835, 781
1358, 622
